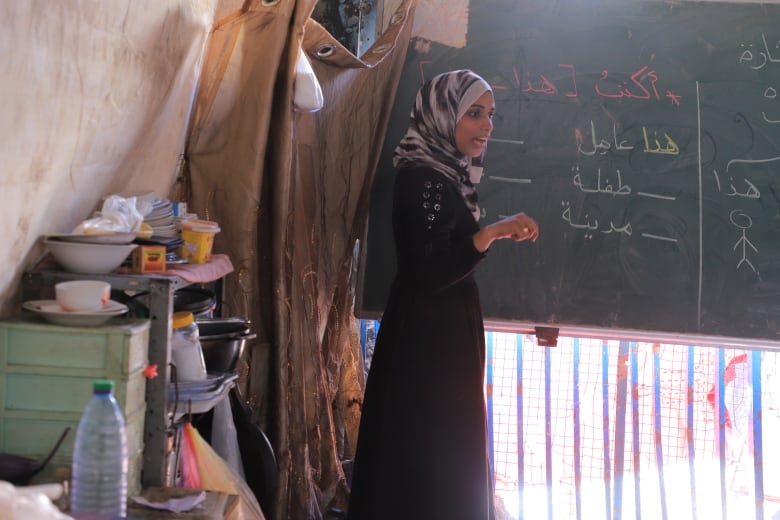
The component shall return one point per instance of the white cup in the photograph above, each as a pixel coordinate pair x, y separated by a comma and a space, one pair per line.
82, 295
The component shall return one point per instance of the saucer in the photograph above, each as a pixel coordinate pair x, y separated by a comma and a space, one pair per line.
52, 312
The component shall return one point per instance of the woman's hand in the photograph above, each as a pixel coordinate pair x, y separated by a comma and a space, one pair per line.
517, 227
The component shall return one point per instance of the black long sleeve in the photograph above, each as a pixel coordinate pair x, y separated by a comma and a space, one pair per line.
428, 223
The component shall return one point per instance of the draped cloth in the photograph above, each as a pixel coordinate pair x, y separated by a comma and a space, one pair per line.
290, 192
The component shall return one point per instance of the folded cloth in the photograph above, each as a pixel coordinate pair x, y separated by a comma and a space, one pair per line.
219, 266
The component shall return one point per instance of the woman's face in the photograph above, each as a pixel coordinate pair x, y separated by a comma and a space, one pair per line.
473, 130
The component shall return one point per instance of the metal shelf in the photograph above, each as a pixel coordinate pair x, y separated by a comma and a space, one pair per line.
160, 289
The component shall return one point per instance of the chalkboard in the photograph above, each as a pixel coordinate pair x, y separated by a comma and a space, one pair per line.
645, 139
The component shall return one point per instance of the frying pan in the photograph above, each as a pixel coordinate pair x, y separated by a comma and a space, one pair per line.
257, 454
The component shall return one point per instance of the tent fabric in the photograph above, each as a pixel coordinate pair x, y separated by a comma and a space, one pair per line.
96, 96
290, 191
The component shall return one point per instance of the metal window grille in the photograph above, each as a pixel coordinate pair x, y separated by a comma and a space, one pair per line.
621, 429
608, 429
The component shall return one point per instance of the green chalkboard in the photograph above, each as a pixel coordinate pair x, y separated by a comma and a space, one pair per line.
645, 139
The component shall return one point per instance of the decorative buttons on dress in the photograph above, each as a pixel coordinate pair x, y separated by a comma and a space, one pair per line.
439, 186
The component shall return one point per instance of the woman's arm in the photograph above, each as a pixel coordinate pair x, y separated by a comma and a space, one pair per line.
517, 227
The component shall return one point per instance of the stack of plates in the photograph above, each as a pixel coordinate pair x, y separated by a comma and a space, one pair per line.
161, 219
172, 244
200, 396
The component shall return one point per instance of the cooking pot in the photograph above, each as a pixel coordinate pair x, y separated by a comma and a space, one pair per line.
199, 301
222, 341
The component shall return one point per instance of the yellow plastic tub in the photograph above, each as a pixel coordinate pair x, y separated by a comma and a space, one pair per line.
198, 236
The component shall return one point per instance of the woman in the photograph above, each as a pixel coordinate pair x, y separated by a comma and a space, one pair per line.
422, 445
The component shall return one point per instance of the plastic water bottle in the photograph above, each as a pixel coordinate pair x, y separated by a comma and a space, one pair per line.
99, 479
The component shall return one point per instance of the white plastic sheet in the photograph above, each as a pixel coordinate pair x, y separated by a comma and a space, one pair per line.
307, 94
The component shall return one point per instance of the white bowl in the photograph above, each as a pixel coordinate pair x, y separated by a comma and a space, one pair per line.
82, 295
77, 257
96, 238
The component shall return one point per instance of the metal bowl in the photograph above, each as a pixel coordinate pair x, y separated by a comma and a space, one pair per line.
223, 341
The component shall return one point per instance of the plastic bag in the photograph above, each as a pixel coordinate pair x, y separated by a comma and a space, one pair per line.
307, 93
24, 503
224, 439
118, 215
188, 463
202, 468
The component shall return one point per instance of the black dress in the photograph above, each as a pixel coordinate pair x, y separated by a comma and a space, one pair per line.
422, 445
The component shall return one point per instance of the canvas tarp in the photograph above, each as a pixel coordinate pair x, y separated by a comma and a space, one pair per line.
291, 191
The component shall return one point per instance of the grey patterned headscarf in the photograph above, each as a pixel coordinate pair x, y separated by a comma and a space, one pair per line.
430, 138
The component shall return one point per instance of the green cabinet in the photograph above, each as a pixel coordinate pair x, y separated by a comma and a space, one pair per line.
46, 375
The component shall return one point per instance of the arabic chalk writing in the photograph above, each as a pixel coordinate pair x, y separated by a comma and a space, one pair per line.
603, 146
640, 85
669, 148
592, 225
764, 58
612, 184
598, 187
